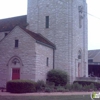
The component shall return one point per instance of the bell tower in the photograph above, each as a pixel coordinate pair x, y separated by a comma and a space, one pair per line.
63, 22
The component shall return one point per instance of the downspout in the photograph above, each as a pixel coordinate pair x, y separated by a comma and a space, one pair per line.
53, 58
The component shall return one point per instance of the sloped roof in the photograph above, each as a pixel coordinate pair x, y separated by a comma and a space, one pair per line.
9, 23
93, 53
39, 38
21, 21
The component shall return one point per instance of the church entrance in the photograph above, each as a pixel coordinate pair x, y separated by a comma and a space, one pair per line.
15, 73
79, 70
15, 68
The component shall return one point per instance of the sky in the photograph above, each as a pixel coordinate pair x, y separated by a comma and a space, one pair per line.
93, 24
10, 8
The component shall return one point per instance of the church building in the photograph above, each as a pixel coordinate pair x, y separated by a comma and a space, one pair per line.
53, 35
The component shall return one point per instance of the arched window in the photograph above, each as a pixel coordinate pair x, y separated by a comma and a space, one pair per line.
79, 54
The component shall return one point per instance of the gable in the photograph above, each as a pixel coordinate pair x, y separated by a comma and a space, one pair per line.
20, 32
17, 33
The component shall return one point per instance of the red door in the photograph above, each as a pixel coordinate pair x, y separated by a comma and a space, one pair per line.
15, 73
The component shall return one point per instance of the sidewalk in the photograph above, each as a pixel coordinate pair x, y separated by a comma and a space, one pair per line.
44, 94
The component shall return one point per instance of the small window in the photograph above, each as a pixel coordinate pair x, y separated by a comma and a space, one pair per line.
47, 21
16, 43
90, 60
47, 61
6, 34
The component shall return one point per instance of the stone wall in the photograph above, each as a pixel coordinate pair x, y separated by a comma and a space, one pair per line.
42, 53
25, 51
63, 31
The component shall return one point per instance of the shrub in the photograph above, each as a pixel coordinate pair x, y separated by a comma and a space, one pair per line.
76, 87
87, 84
92, 86
58, 77
60, 89
86, 88
68, 87
50, 83
40, 86
49, 88
21, 86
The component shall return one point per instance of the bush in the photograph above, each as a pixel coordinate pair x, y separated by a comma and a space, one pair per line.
21, 86
76, 87
92, 86
68, 87
58, 77
89, 85
48, 89
61, 89
40, 86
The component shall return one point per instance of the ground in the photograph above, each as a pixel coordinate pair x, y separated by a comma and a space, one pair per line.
45, 94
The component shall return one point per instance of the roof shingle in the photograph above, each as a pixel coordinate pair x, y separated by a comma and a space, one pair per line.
9, 23
40, 38
92, 53
21, 21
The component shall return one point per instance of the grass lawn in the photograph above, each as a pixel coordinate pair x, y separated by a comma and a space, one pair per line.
75, 97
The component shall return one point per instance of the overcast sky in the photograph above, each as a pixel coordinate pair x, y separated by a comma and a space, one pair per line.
9, 8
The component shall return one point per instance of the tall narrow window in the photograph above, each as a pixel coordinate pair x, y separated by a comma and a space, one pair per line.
6, 34
79, 54
16, 43
47, 21
47, 61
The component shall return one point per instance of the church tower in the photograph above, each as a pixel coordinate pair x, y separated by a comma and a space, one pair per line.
63, 22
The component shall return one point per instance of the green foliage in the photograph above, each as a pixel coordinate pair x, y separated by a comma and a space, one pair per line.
21, 86
90, 87
76, 87
58, 77
60, 89
40, 86
49, 88
92, 84
68, 87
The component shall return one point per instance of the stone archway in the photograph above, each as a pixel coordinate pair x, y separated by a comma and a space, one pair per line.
14, 67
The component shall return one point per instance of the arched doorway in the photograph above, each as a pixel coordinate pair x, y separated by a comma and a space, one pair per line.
79, 70
79, 63
15, 66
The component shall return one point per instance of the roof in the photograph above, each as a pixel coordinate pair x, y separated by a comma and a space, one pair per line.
9, 23
39, 38
21, 21
93, 53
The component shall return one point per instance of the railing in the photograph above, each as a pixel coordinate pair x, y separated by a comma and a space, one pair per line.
96, 79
